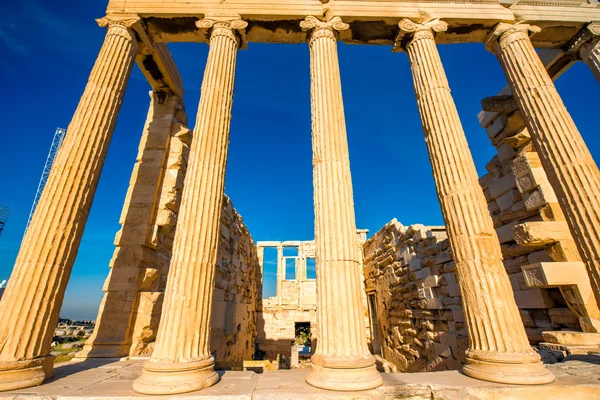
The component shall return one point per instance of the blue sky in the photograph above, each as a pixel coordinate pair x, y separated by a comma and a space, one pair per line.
47, 49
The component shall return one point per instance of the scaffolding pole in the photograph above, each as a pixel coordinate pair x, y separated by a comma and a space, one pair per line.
57, 141
4, 212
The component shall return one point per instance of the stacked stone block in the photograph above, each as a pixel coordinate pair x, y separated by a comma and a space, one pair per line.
233, 316
531, 226
410, 271
237, 292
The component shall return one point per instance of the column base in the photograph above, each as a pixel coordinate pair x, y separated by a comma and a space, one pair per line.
519, 374
23, 374
102, 351
174, 378
344, 379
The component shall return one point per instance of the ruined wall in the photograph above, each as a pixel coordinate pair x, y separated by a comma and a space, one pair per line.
276, 327
235, 300
297, 302
410, 272
531, 227
237, 291
420, 322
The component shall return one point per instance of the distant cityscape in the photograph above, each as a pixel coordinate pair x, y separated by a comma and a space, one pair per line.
69, 335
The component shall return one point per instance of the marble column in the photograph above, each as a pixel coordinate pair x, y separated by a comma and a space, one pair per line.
181, 361
30, 307
585, 46
342, 360
499, 350
565, 157
590, 53
133, 253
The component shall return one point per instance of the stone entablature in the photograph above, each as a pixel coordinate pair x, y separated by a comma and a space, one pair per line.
373, 22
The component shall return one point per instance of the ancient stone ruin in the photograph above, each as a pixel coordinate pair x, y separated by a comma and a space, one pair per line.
516, 264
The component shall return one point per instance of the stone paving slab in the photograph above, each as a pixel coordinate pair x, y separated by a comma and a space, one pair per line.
578, 378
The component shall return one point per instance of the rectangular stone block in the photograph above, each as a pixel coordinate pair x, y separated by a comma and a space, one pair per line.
525, 162
434, 304
414, 264
495, 127
452, 283
533, 299
431, 281
505, 153
505, 232
541, 233
539, 197
508, 199
531, 179
553, 274
502, 185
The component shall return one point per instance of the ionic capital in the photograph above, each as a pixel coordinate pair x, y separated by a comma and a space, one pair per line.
589, 33
317, 28
504, 32
120, 24
417, 30
233, 27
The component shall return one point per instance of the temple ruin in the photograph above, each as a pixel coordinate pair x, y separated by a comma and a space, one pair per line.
516, 264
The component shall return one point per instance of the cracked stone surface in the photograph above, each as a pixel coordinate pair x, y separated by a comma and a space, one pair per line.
577, 377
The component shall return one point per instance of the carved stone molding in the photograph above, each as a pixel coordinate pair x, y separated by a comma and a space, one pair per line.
503, 104
124, 20
232, 26
589, 33
503, 29
317, 28
414, 30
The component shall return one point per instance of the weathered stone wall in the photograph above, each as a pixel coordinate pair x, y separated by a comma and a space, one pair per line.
532, 229
276, 327
420, 322
237, 291
235, 300
410, 271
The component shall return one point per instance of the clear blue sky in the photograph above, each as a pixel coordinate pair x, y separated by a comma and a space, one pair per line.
47, 49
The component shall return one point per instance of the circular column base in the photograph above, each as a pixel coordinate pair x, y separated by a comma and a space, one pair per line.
519, 374
23, 374
344, 379
173, 378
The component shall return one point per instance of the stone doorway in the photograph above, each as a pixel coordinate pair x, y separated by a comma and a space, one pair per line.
374, 325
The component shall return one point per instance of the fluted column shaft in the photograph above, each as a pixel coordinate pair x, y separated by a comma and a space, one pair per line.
590, 54
31, 304
564, 155
342, 343
496, 333
181, 361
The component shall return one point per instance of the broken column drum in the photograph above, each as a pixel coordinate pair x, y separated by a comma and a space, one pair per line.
499, 350
342, 360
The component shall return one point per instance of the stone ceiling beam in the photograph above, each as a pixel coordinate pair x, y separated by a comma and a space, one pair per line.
157, 64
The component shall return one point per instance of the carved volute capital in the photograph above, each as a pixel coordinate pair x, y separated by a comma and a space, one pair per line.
120, 24
411, 30
317, 28
504, 33
233, 27
588, 34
